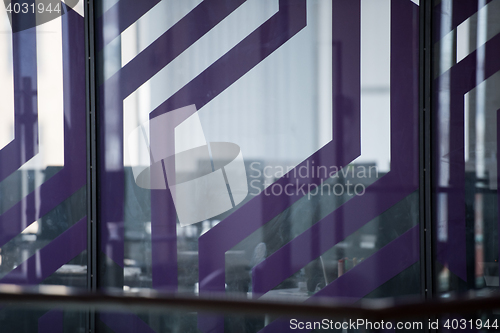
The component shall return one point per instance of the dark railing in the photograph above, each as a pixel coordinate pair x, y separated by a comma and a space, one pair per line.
150, 300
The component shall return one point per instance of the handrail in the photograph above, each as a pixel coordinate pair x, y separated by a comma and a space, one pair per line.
150, 300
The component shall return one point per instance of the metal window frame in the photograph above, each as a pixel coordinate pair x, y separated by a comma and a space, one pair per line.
425, 161
91, 120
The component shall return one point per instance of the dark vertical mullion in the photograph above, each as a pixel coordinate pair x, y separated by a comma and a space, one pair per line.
91, 155
421, 142
427, 104
425, 149
425, 130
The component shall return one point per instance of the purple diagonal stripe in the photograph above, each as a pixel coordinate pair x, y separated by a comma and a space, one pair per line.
245, 220
25, 144
327, 233
343, 149
51, 322
243, 57
290, 19
53, 192
51, 257
124, 323
401, 181
460, 79
459, 10
163, 213
168, 46
119, 17
73, 176
220, 75
384, 265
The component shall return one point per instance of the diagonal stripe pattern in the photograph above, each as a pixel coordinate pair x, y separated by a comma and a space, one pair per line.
212, 81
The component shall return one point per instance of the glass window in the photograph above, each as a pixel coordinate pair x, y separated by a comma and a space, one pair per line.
267, 149
43, 166
466, 102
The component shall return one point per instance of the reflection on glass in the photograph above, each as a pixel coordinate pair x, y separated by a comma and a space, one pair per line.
43, 225
307, 98
466, 181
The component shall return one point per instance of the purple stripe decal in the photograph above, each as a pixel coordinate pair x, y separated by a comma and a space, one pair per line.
168, 46
384, 265
139, 70
51, 322
124, 323
401, 181
164, 217
290, 19
119, 17
258, 211
112, 199
51, 257
202, 86
163, 240
460, 11
25, 144
73, 176
238, 61
460, 79
54, 192
339, 152
328, 232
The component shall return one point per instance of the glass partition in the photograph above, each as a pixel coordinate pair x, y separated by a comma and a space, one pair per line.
465, 187
466, 81
250, 149
258, 148
43, 159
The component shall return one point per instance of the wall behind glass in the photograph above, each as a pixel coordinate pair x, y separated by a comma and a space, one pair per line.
43, 224
262, 148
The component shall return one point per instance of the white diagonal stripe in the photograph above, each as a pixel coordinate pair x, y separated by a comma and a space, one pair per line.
212, 46
189, 64
79, 7
142, 33
480, 20
477, 22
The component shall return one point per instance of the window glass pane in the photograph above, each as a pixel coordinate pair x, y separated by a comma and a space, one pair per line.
260, 148
466, 100
466, 104
43, 203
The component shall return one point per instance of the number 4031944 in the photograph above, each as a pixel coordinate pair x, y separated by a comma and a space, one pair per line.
470, 324
25, 8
